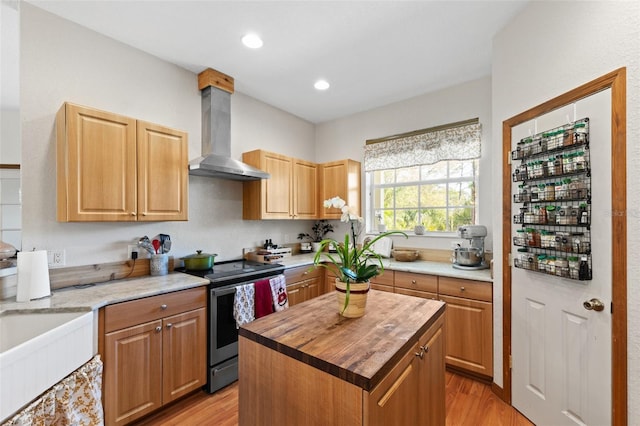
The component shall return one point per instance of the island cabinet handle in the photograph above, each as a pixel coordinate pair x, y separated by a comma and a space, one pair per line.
163, 306
169, 325
423, 350
413, 281
133, 214
462, 288
158, 329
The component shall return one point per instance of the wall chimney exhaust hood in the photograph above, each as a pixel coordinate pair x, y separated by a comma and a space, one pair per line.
216, 89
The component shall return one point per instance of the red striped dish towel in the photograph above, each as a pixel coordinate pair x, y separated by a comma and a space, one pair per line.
279, 292
264, 302
243, 304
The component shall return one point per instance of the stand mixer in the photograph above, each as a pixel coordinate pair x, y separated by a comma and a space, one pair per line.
471, 257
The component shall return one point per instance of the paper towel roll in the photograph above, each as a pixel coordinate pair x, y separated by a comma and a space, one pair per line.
33, 275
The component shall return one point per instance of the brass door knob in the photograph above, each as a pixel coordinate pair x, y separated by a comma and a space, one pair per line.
593, 305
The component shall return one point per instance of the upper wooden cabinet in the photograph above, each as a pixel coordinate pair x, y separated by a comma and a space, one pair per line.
116, 168
290, 193
342, 179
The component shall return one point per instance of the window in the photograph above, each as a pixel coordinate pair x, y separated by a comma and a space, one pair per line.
426, 177
440, 196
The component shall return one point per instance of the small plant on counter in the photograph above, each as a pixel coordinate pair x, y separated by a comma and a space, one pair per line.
318, 231
350, 263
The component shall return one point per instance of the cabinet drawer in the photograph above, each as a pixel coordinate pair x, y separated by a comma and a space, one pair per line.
301, 273
417, 293
126, 314
386, 278
477, 290
419, 282
381, 287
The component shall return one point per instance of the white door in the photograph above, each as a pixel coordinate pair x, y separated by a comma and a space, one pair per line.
561, 352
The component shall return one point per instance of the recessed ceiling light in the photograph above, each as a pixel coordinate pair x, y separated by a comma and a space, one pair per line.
252, 41
321, 85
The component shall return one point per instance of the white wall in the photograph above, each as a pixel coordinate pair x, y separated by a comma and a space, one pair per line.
345, 138
549, 49
62, 61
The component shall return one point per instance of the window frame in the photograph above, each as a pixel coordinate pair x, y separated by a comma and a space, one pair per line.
371, 188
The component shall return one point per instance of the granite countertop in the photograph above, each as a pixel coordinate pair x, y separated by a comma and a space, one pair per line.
94, 296
419, 266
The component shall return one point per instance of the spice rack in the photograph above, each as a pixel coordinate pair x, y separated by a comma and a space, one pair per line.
554, 195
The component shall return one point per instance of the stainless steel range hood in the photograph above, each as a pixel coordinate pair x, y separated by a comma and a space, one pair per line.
216, 158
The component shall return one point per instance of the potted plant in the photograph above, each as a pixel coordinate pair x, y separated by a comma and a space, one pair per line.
352, 265
318, 232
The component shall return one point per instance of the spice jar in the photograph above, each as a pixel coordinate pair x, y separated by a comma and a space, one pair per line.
583, 214
551, 215
580, 132
542, 262
574, 267
562, 267
550, 191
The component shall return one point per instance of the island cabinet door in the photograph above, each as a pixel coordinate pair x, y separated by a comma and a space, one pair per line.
133, 374
413, 393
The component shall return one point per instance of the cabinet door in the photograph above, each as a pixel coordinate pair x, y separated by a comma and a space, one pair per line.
413, 393
469, 335
295, 294
312, 288
432, 378
184, 345
305, 190
342, 179
394, 400
96, 165
268, 198
132, 372
162, 173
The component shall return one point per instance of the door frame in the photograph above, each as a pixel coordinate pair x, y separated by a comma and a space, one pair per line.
616, 81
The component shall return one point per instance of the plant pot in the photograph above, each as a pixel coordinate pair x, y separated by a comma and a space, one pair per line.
315, 246
357, 298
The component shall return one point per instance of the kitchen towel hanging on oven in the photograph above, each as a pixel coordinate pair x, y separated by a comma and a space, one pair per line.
279, 292
264, 302
244, 304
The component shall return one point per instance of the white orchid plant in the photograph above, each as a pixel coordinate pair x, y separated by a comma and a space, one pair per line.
350, 263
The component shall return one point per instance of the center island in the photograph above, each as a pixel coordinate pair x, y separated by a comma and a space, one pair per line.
308, 365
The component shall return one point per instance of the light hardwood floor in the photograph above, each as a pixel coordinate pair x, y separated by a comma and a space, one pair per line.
468, 403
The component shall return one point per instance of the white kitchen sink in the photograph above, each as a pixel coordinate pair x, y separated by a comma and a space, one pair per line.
39, 349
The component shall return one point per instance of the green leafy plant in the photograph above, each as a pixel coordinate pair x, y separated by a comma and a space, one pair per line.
345, 259
318, 231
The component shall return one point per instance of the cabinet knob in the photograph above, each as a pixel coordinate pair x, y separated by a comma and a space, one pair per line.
134, 214
413, 281
462, 288
144, 213
158, 329
305, 272
163, 307
169, 325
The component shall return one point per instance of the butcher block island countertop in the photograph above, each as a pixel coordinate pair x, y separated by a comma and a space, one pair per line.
308, 365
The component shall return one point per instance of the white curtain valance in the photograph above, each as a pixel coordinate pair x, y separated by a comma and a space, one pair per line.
429, 147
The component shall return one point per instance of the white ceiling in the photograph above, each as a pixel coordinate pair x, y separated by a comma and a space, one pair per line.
372, 52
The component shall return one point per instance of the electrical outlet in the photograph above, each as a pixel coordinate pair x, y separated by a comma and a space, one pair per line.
56, 258
130, 249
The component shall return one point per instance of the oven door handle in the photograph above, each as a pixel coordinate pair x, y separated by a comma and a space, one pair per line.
223, 291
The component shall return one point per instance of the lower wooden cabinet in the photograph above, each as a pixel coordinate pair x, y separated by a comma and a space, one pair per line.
412, 393
469, 324
383, 282
152, 354
303, 283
